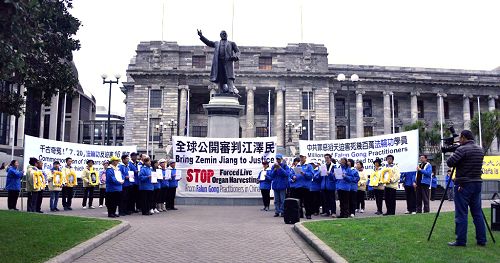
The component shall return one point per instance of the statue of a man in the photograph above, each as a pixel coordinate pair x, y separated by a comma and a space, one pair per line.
225, 53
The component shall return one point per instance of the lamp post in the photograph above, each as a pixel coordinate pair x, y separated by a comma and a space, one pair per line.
354, 78
172, 124
290, 125
104, 81
160, 128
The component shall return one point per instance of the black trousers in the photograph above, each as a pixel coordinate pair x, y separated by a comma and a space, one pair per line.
344, 199
88, 192
171, 197
156, 197
137, 197
102, 195
132, 197
315, 201
163, 193
353, 201
304, 195
39, 200
32, 201
329, 202
124, 198
410, 199
146, 198
390, 200
423, 193
29, 201
360, 199
112, 202
67, 196
12, 197
433, 194
379, 199
266, 197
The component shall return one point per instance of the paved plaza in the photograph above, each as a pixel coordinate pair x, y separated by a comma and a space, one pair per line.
207, 234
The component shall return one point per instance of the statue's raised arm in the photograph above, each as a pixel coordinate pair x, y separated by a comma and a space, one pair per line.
205, 40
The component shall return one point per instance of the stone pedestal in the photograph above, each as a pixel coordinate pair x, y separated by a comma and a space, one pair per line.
223, 112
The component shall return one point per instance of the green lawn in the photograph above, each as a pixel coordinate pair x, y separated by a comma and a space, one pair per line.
403, 239
29, 237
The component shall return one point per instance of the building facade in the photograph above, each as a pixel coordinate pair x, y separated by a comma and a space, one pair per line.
95, 131
303, 90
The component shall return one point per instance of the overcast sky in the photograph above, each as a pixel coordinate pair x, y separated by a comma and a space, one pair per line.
424, 33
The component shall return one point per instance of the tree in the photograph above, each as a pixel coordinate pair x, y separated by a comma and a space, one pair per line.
490, 127
36, 45
429, 139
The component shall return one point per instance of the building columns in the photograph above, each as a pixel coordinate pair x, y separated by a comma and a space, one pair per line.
387, 112
466, 109
414, 106
491, 107
54, 106
440, 107
333, 126
75, 118
280, 117
182, 108
250, 116
359, 114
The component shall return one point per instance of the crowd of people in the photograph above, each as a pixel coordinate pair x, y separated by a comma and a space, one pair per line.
318, 185
127, 185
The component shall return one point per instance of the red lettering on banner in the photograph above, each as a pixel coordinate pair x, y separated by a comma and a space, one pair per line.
199, 175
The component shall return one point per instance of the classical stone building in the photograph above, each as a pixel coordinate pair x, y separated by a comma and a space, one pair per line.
303, 86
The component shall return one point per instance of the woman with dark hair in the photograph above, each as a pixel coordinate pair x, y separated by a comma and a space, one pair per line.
13, 184
361, 193
155, 166
378, 186
353, 180
146, 187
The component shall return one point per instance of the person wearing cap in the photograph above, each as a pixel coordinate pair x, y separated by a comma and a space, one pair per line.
376, 183
468, 162
172, 186
328, 188
279, 184
423, 184
13, 184
124, 205
315, 188
391, 186
134, 203
264, 181
300, 182
164, 186
88, 188
102, 183
352, 179
146, 187
67, 189
113, 186
361, 193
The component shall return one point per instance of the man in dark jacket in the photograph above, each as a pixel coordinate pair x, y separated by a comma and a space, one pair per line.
468, 161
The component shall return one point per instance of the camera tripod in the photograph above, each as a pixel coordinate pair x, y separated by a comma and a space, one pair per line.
441, 204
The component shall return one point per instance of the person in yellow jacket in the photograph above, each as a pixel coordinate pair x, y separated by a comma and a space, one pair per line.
37, 179
90, 179
31, 204
361, 194
391, 185
377, 184
69, 182
55, 180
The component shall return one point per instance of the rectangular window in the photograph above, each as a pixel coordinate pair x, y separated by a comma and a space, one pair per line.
261, 132
420, 109
367, 108
154, 135
307, 100
341, 132
340, 108
306, 129
265, 63
155, 98
69, 103
199, 61
199, 131
446, 108
396, 109
368, 131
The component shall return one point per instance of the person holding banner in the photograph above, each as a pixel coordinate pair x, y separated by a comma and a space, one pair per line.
13, 184
102, 183
328, 187
391, 184
146, 187
55, 182
124, 196
450, 193
315, 188
89, 179
264, 180
114, 182
69, 182
279, 177
156, 186
408, 180
377, 184
133, 166
164, 185
300, 182
175, 176
423, 183
361, 193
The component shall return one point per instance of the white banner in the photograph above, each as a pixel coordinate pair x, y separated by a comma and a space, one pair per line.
221, 167
403, 145
49, 151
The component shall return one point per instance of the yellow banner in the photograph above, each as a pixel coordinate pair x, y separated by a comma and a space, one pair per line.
491, 168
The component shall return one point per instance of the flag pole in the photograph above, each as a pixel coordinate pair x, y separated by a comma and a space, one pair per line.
187, 115
479, 115
269, 113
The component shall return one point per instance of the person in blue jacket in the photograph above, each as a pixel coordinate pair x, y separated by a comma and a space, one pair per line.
155, 166
279, 177
113, 187
134, 202
164, 186
13, 184
300, 182
408, 180
124, 198
328, 188
450, 194
434, 183
146, 187
423, 183
172, 185
315, 189
343, 188
264, 181
353, 180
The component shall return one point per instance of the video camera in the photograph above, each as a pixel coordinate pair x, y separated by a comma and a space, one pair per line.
449, 143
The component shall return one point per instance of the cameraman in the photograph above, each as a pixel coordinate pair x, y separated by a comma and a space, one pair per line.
468, 161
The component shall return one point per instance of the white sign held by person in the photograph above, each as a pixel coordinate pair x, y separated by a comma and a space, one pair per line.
403, 145
49, 151
222, 167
